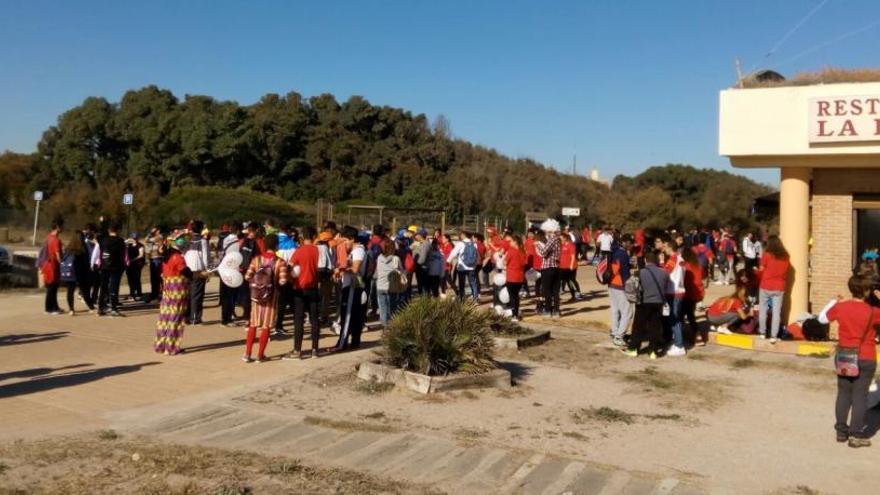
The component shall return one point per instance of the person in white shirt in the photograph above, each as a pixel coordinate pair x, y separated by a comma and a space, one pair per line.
750, 252
606, 242
466, 258
352, 277
197, 261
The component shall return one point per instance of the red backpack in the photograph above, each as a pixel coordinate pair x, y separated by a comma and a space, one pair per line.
603, 272
263, 282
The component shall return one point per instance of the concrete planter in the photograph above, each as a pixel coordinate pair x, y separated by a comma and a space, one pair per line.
518, 342
424, 384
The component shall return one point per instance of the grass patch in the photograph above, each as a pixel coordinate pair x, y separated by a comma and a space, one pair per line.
575, 435
108, 435
603, 414
470, 433
347, 425
678, 390
375, 415
738, 364
373, 387
83, 465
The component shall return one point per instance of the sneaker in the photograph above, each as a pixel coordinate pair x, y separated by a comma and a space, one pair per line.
115, 313
653, 356
262, 359
724, 330
71, 313
619, 342
53, 313
291, 356
508, 313
516, 320
842, 437
773, 340
676, 351
701, 343
336, 328
762, 336
247, 359
630, 352
713, 328
314, 353
859, 442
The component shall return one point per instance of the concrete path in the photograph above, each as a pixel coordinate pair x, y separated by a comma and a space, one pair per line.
450, 466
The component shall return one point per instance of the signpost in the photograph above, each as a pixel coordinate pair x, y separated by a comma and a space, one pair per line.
128, 200
38, 196
571, 212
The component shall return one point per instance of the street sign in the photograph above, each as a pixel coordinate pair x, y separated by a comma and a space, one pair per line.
571, 212
38, 195
128, 199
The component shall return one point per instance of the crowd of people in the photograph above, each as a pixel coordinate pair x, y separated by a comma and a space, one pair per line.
340, 277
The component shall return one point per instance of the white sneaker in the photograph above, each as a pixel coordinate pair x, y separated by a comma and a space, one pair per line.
873, 387
508, 313
676, 351
336, 328
499, 310
724, 330
713, 328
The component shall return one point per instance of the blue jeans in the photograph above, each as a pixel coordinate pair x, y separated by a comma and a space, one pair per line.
775, 298
387, 304
471, 277
674, 320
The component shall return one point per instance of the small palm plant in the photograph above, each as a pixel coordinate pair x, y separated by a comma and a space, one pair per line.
439, 336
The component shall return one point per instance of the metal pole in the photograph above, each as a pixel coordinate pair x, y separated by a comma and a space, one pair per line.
129, 220
36, 219
443, 222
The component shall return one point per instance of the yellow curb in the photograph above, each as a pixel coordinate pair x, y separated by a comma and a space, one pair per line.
737, 341
813, 350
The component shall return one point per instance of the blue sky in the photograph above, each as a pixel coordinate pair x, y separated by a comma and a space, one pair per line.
624, 84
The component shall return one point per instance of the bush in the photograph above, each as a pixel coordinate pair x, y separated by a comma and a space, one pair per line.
217, 205
439, 336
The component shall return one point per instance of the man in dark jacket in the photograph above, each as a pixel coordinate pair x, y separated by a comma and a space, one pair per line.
648, 320
619, 261
112, 266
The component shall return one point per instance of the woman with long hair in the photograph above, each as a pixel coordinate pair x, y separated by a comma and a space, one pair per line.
515, 260
774, 269
693, 295
75, 272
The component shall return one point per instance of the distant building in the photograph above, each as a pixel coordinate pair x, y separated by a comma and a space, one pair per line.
594, 176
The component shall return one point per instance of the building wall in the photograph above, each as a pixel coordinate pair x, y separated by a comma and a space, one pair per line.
831, 257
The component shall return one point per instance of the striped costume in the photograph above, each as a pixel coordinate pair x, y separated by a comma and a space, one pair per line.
264, 314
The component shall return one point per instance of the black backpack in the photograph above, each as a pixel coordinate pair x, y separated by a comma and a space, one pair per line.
68, 269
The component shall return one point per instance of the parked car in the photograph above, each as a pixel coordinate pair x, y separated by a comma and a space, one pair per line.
5, 260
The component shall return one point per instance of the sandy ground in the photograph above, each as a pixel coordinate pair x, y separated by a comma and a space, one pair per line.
730, 421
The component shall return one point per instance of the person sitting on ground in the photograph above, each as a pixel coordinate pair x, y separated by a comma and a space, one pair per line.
728, 311
857, 330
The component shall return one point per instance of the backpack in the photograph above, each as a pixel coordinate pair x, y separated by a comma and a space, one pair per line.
470, 256
68, 272
42, 257
632, 289
436, 264
263, 282
728, 247
603, 272
409, 263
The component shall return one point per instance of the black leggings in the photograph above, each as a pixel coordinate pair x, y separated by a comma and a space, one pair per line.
550, 285
647, 327
84, 292
688, 309
513, 292
852, 394
569, 281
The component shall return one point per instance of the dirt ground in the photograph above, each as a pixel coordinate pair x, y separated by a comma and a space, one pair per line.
105, 462
725, 420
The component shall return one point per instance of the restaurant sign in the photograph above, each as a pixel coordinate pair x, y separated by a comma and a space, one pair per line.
844, 119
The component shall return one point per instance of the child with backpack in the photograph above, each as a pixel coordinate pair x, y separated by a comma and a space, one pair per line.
265, 275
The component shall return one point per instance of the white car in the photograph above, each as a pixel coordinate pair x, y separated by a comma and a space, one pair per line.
5, 260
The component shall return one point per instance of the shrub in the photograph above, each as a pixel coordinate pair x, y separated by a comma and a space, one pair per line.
439, 336
218, 205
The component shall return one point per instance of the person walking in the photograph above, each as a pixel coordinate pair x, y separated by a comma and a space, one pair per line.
619, 263
227, 241
352, 281
154, 253
304, 282
197, 261
675, 293
550, 249
515, 260
50, 267
326, 265
75, 273
568, 269
774, 269
175, 300
467, 257
134, 257
111, 249
389, 280
856, 348
648, 319
265, 275
750, 252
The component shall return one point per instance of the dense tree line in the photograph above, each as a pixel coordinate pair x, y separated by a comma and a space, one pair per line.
317, 148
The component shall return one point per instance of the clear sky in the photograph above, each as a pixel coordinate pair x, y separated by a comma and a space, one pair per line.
624, 84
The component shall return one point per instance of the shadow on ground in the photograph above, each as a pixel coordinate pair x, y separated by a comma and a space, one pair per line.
72, 379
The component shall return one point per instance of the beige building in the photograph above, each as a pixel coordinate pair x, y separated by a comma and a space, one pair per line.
825, 139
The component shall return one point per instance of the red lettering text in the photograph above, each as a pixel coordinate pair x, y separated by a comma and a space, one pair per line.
839, 107
873, 102
856, 107
823, 109
822, 132
877, 121
848, 129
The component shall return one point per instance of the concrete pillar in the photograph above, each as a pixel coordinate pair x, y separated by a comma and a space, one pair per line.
794, 230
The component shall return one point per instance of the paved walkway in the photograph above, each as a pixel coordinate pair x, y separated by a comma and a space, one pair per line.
451, 466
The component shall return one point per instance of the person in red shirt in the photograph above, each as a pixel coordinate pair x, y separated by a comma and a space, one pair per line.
51, 268
515, 260
728, 311
694, 293
774, 269
586, 240
304, 273
174, 305
533, 260
448, 280
857, 329
568, 268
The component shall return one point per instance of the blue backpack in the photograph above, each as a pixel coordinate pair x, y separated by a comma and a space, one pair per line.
470, 255
68, 272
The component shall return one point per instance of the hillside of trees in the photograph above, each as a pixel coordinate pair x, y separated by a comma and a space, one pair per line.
301, 150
